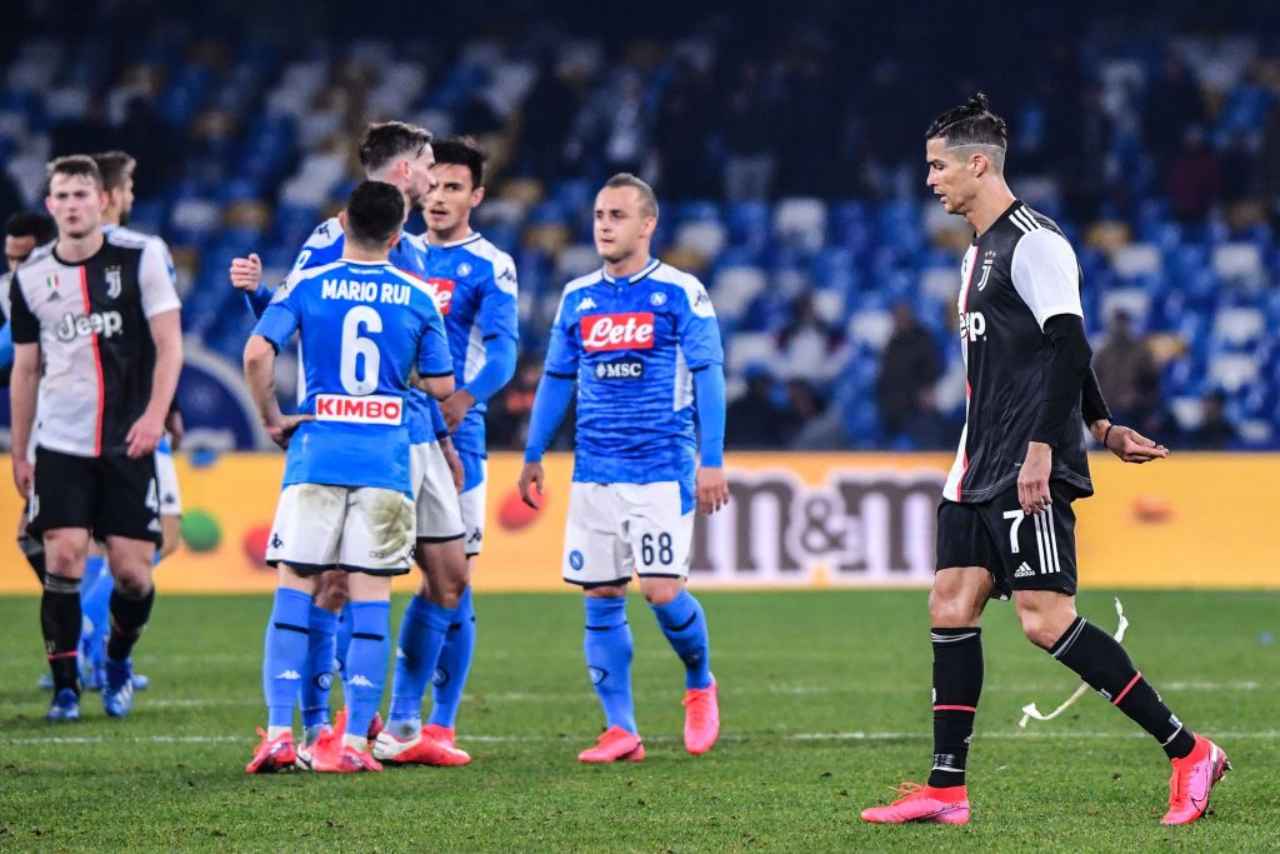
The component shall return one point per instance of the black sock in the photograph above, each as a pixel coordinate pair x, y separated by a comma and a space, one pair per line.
128, 617
60, 622
957, 685
36, 560
1104, 665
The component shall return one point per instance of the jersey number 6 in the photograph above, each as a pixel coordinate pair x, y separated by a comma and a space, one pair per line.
360, 375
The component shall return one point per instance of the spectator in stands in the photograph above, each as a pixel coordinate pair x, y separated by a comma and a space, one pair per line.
684, 125
804, 409
1216, 432
753, 420
909, 368
1195, 179
1270, 169
1174, 105
1127, 373
748, 115
808, 344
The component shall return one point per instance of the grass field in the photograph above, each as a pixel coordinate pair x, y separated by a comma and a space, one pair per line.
824, 703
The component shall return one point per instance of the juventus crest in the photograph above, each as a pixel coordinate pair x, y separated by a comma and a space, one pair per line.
115, 282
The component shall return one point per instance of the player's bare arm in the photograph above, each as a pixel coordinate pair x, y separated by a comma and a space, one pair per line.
146, 432
246, 273
23, 383
456, 406
259, 375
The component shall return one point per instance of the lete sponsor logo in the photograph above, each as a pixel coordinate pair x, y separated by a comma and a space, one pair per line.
862, 527
442, 292
372, 409
631, 330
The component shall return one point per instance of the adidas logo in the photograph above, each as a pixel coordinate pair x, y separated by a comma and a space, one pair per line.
289, 674
361, 681
1024, 571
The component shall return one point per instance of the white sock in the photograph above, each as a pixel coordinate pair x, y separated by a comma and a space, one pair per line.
274, 732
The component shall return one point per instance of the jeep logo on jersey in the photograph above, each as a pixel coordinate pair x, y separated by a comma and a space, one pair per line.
104, 323
373, 409
631, 330
972, 325
442, 293
623, 369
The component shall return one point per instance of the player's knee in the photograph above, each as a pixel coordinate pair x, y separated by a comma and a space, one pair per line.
332, 594
660, 591
133, 582
1043, 622
65, 556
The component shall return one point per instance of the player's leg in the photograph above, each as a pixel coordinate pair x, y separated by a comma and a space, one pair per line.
1045, 602
322, 651
962, 586
597, 558
454, 666
62, 510
431, 613
660, 534
305, 535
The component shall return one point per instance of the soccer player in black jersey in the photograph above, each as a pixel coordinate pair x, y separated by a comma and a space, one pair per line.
1005, 524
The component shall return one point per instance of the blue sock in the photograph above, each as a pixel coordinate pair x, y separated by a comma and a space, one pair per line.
422, 634
317, 679
367, 662
95, 606
607, 644
343, 642
285, 655
685, 626
454, 665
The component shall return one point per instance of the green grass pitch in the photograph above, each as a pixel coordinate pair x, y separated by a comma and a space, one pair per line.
825, 706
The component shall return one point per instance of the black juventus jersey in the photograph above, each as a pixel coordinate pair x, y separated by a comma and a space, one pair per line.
91, 321
1014, 277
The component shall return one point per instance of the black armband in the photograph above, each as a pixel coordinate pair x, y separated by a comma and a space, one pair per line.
1064, 377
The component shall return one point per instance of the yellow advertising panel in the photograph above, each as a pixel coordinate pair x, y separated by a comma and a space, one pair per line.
1196, 520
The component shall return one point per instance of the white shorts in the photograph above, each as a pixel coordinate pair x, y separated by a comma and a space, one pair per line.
619, 529
167, 482
320, 527
473, 502
439, 513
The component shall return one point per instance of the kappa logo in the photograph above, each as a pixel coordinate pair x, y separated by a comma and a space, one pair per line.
115, 281
291, 675
276, 542
587, 303
360, 681
629, 330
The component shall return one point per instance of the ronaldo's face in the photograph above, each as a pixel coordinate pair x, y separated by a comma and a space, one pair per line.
621, 226
450, 201
75, 202
948, 178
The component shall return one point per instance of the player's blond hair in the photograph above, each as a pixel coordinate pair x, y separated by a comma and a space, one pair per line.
648, 200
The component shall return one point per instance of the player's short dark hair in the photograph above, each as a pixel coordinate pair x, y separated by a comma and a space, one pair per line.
375, 212
464, 151
74, 164
384, 141
116, 167
648, 200
31, 224
972, 123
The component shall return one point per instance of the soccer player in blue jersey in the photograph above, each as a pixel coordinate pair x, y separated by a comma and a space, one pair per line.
641, 341
475, 287
369, 332
401, 155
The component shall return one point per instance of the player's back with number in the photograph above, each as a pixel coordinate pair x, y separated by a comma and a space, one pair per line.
364, 329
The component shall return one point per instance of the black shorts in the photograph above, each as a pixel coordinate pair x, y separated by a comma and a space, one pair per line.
1021, 552
111, 496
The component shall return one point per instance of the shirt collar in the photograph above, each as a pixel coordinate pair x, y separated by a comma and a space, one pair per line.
631, 280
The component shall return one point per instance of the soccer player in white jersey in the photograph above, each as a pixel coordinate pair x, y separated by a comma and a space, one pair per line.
368, 329
640, 340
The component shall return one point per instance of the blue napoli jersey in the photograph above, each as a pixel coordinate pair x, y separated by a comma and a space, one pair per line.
325, 246
364, 329
632, 345
475, 287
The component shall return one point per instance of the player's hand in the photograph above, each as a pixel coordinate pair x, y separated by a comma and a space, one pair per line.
1133, 447
531, 476
175, 427
1033, 478
712, 489
144, 435
24, 475
246, 273
455, 407
282, 431
455, 462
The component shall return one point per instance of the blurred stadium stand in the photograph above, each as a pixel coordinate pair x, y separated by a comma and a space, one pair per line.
787, 155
